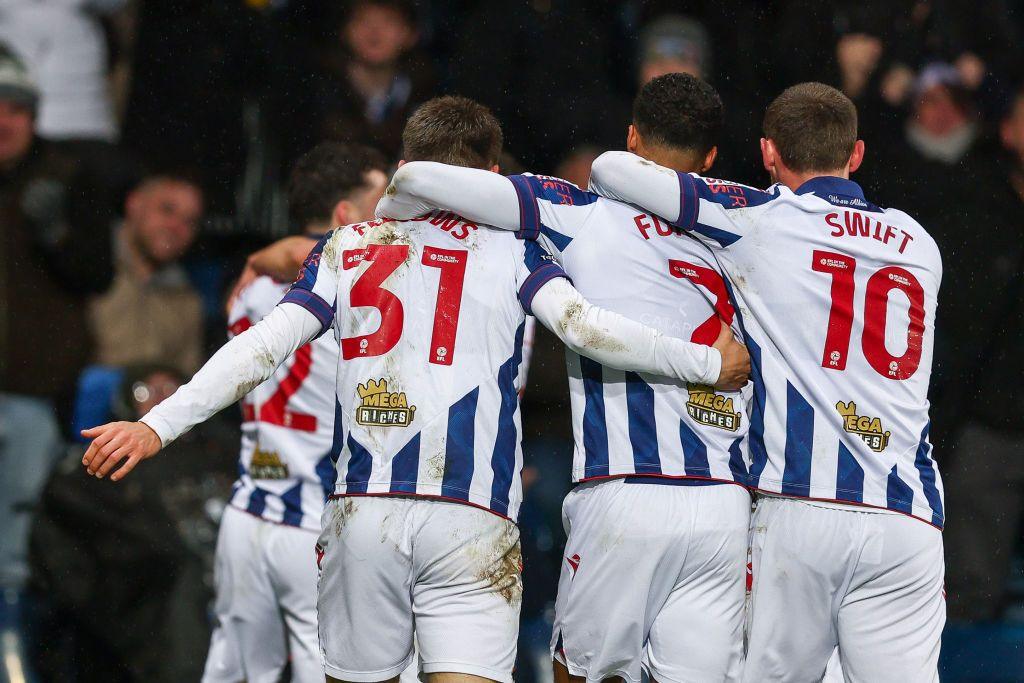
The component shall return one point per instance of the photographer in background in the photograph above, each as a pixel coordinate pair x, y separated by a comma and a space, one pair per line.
54, 252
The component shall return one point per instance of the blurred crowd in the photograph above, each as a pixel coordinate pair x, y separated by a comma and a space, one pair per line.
144, 151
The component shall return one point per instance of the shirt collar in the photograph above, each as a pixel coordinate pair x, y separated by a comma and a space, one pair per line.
838, 191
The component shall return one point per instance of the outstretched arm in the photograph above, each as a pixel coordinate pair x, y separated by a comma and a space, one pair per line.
628, 178
281, 260
239, 366
419, 187
616, 341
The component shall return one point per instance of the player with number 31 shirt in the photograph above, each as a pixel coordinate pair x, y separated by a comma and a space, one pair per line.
837, 298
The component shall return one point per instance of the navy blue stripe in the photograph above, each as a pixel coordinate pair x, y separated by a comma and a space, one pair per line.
529, 213
405, 467
360, 465
338, 442
560, 241
758, 452
898, 495
849, 477
536, 280
926, 468
595, 429
737, 465
643, 434
689, 205
671, 481
503, 459
257, 502
323, 311
695, 452
458, 455
732, 195
796, 477
327, 473
723, 237
292, 499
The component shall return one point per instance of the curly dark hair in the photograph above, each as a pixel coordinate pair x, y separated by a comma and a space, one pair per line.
680, 111
327, 174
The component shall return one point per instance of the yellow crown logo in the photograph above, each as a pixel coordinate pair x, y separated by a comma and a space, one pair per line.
864, 426
381, 407
372, 387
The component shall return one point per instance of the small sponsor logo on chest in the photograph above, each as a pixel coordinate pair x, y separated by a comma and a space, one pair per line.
710, 408
382, 408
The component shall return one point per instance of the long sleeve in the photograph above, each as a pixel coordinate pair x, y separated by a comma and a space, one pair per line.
481, 196
628, 178
617, 341
236, 369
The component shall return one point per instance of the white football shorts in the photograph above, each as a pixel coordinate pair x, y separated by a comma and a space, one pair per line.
869, 582
395, 567
265, 578
654, 578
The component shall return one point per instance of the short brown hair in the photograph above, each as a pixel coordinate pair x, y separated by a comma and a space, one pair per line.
813, 126
453, 130
325, 175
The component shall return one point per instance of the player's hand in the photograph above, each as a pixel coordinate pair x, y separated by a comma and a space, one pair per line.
735, 361
114, 442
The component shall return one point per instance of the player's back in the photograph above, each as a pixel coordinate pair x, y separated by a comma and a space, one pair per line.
837, 298
431, 330
285, 469
635, 264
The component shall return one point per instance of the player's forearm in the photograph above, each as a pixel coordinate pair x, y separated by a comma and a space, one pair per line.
618, 342
477, 195
283, 259
631, 179
236, 369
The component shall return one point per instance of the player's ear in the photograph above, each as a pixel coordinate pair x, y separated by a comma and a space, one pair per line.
401, 163
857, 158
632, 139
768, 156
709, 159
343, 211
496, 169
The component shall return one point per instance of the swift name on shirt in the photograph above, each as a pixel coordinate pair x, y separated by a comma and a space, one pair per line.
857, 224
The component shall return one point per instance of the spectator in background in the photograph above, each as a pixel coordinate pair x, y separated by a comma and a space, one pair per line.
64, 46
54, 252
151, 301
369, 81
672, 44
982, 323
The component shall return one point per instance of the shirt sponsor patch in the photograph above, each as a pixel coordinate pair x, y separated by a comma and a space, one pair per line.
383, 408
867, 428
710, 408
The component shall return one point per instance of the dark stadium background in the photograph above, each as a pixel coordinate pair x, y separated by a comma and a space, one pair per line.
116, 583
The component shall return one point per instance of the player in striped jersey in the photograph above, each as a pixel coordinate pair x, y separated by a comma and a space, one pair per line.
285, 471
837, 299
420, 534
657, 528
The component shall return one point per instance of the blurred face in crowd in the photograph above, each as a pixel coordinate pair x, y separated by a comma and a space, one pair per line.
161, 218
15, 132
377, 35
363, 202
1012, 129
938, 113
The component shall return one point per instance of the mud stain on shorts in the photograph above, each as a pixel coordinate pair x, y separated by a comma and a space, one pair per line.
502, 569
343, 511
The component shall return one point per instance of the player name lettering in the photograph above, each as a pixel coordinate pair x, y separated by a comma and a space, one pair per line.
857, 224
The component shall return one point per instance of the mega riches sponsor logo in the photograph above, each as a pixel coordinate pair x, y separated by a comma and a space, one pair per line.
867, 428
710, 408
267, 465
383, 408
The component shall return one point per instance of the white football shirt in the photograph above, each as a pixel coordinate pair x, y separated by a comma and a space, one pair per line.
836, 297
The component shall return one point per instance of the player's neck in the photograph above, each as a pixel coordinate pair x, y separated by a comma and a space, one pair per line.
678, 160
794, 180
